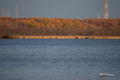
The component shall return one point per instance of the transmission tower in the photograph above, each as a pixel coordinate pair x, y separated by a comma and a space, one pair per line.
98, 16
2, 14
16, 16
106, 14
7, 13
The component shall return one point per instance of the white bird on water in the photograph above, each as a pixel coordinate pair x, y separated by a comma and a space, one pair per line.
105, 74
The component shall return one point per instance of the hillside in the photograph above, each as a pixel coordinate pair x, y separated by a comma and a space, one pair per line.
59, 26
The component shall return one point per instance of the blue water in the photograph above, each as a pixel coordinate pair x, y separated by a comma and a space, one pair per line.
59, 59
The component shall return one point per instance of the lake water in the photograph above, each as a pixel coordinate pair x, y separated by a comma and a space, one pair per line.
59, 59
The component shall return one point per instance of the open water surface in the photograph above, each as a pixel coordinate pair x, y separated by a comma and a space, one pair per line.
59, 59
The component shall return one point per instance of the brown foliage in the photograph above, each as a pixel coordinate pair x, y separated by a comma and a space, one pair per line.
59, 26
101, 23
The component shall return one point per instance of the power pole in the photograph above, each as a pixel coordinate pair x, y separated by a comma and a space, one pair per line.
16, 16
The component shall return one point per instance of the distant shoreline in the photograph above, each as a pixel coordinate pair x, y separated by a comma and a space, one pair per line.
67, 37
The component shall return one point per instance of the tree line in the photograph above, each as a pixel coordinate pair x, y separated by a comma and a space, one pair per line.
59, 26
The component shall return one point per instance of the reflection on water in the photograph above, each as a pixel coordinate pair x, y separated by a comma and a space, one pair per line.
54, 59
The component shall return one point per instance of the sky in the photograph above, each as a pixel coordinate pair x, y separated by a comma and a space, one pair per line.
76, 9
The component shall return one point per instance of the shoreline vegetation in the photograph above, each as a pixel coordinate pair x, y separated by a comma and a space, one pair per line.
60, 37
8, 37
68, 37
59, 28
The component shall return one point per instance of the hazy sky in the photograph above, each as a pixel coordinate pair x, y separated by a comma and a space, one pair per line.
78, 9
